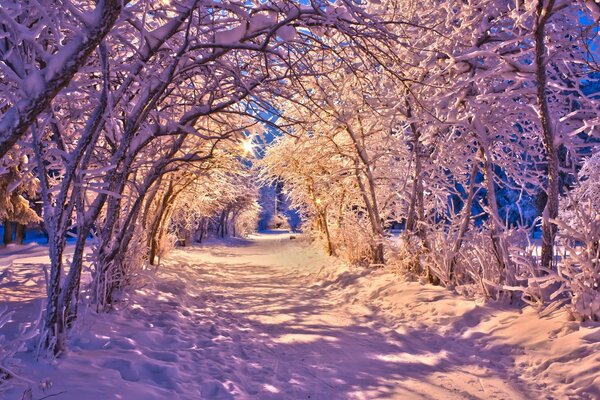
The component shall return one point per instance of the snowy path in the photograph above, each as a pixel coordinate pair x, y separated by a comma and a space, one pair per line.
274, 318
254, 324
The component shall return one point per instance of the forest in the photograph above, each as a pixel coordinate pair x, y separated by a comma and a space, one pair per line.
450, 143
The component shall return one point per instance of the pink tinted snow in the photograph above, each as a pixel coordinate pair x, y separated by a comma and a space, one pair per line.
274, 318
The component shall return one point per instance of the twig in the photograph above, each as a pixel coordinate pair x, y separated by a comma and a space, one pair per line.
52, 395
11, 374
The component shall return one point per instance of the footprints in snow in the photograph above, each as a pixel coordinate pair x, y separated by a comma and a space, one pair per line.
172, 345
153, 373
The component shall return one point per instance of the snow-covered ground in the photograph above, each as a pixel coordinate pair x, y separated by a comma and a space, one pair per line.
275, 318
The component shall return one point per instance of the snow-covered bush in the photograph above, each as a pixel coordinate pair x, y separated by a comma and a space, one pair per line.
470, 262
406, 254
585, 195
474, 268
480, 264
17, 182
110, 278
352, 239
5, 352
24, 333
579, 236
576, 279
580, 265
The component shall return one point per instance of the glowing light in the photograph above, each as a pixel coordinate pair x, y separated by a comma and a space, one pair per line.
318, 201
248, 146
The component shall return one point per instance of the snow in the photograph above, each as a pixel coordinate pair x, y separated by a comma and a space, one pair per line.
230, 36
33, 84
287, 33
261, 21
272, 317
62, 58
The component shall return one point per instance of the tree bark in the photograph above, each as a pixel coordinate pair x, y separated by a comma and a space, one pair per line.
369, 197
416, 210
323, 217
543, 13
20, 233
202, 229
153, 236
8, 232
500, 247
465, 219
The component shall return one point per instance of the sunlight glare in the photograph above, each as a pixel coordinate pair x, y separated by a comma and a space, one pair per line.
430, 359
248, 146
270, 388
303, 338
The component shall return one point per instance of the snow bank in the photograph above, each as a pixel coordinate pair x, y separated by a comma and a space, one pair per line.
551, 356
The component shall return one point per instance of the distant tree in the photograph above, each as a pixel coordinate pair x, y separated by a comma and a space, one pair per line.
17, 186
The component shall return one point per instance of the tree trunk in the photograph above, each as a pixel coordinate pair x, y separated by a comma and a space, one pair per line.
20, 233
369, 197
340, 215
330, 248
8, 232
202, 230
164, 222
223, 223
53, 337
155, 226
550, 212
464, 224
69, 295
500, 247
416, 211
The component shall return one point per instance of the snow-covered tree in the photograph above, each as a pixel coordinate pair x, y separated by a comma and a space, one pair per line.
130, 116
39, 59
18, 185
579, 233
160, 88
